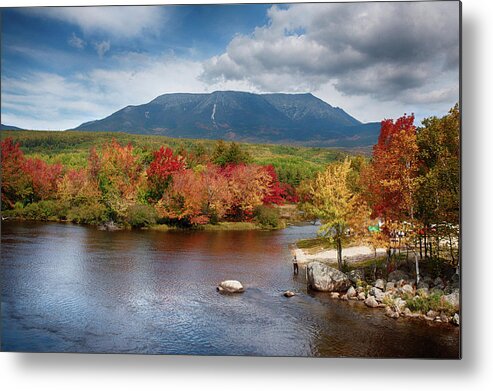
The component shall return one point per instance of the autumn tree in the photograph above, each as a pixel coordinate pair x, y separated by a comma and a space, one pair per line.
15, 183
217, 192
389, 178
185, 199
26, 180
161, 169
389, 181
43, 178
77, 187
249, 185
340, 211
437, 197
120, 178
276, 192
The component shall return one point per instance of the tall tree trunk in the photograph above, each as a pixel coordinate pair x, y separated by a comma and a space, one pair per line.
389, 254
417, 268
426, 245
438, 245
451, 249
339, 253
420, 248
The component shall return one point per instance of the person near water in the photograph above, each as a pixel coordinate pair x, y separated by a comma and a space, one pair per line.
295, 264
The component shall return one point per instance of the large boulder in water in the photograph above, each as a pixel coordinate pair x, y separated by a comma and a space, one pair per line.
230, 286
326, 279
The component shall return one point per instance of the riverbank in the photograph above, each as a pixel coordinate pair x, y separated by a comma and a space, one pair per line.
221, 226
112, 226
433, 297
351, 255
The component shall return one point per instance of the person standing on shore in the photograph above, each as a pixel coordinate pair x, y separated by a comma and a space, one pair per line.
295, 264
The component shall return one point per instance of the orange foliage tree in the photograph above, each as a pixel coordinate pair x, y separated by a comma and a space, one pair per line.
120, 177
249, 185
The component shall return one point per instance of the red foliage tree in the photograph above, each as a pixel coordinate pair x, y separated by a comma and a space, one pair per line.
388, 180
159, 173
15, 183
44, 178
275, 193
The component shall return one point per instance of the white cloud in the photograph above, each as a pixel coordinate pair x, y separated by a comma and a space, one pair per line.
102, 47
43, 100
76, 42
118, 21
372, 64
405, 52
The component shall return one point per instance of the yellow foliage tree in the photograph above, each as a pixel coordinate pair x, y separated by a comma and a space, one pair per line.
341, 212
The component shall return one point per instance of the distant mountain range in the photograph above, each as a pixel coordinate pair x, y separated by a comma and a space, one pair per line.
9, 127
241, 116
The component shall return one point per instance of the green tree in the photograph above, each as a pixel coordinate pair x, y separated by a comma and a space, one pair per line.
437, 198
224, 155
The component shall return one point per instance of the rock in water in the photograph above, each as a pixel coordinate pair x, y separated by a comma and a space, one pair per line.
371, 302
230, 286
326, 279
351, 292
377, 293
289, 294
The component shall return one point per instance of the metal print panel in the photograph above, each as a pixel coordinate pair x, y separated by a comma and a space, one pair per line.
235, 179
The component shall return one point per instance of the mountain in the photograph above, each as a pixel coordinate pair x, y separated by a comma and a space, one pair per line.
9, 127
242, 116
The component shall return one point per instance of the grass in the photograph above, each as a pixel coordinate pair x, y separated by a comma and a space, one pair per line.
230, 226
433, 302
315, 245
222, 226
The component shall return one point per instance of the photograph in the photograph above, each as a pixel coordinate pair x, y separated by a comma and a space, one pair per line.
262, 180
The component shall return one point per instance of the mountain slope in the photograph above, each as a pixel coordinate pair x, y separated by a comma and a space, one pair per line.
241, 116
9, 127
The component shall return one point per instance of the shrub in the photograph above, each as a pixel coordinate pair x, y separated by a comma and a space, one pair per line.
93, 213
43, 210
141, 215
267, 217
433, 302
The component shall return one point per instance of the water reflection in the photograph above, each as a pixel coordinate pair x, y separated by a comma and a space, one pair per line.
73, 288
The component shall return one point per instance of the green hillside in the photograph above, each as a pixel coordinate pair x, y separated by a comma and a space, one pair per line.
71, 148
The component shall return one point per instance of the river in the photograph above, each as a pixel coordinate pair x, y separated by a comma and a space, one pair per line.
69, 288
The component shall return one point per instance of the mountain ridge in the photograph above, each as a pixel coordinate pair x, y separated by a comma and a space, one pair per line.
241, 116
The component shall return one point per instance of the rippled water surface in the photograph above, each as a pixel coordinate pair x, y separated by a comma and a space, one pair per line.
68, 288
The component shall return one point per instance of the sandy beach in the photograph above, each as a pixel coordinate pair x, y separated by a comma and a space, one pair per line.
349, 254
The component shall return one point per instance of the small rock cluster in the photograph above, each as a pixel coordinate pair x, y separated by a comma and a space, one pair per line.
393, 295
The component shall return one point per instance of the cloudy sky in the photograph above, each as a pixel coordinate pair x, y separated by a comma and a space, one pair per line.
65, 66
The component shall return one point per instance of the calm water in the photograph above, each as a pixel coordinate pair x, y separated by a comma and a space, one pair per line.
68, 288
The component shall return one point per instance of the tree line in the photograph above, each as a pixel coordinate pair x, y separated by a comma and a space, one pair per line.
407, 195
122, 185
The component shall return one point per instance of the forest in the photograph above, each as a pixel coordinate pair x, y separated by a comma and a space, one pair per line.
407, 190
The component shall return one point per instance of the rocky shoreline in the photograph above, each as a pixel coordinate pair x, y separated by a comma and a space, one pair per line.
434, 300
